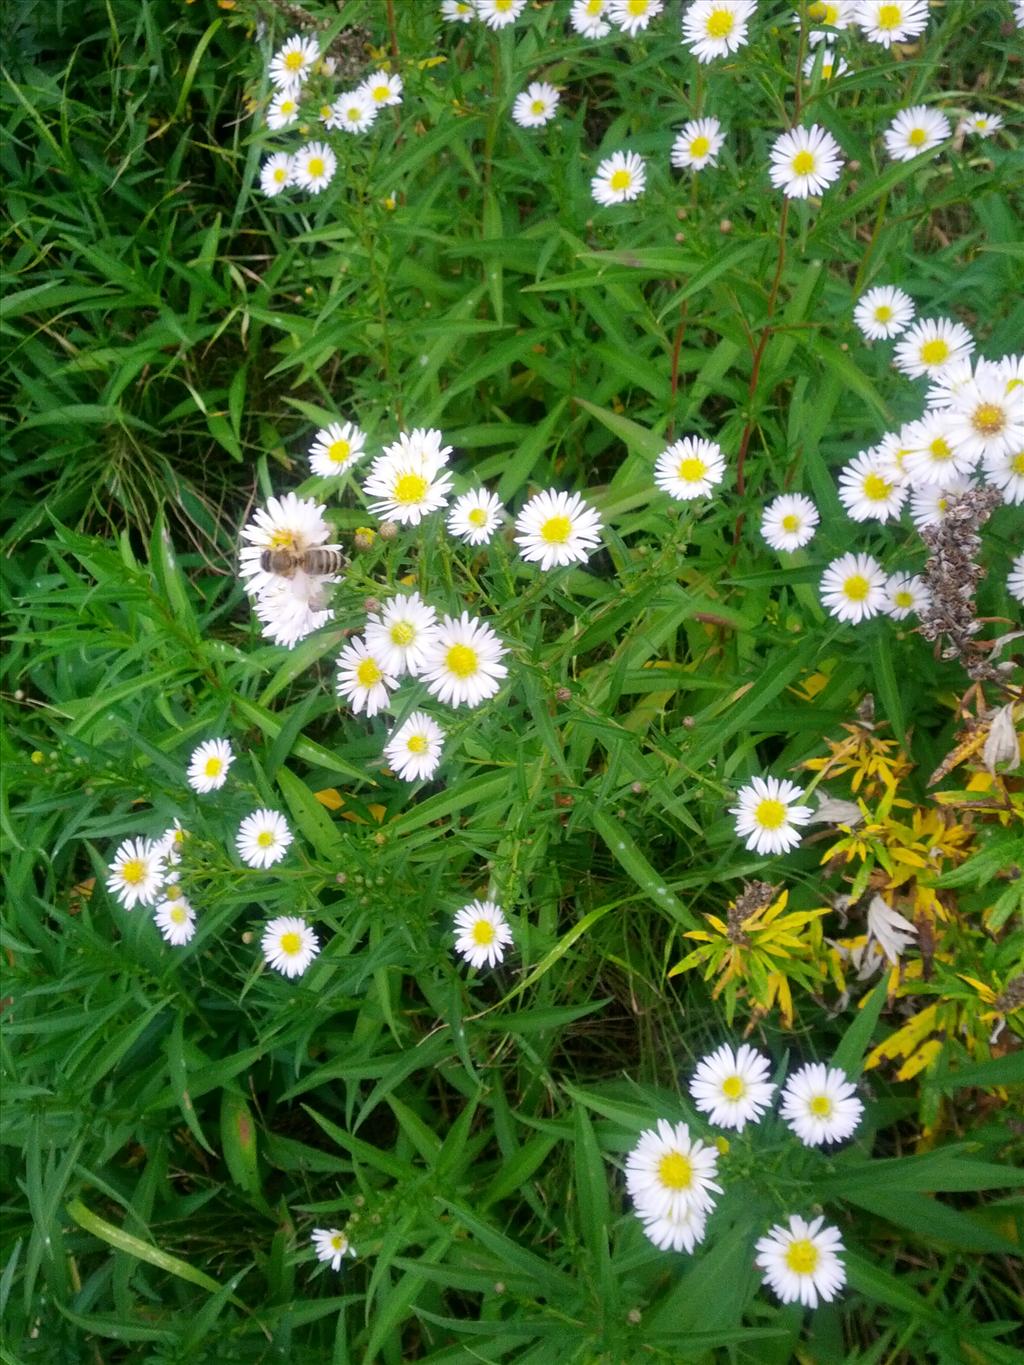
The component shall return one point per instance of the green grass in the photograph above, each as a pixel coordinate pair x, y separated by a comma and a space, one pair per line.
177, 1121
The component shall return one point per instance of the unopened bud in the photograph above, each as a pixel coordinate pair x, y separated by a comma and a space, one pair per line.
563, 694
371, 604
638, 788
363, 539
499, 1286
634, 1316
388, 530
689, 722
247, 937
725, 225
341, 878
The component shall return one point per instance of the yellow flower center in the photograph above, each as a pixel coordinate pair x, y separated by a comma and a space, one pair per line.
315, 167
280, 175
791, 522
675, 1171
904, 598
1017, 463
295, 61
477, 517
179, 836
916, 137
178, 914
537, 107
988, 419
410, 488
802, 1257
402, 634
368, 674
502, 6
889, 16
484, 932
290, 943
637, 7
595, 7
934, 352
876, 488
770, 814
803, 163
265, 838
354, 113
621, 180
462, 661
700, 146
173, 891
417, 744
287, 107
325, 111
213, 767
381, 92
826, 70
133, 871
556, 530
720, 23
883, 313
692, 469
733, 1088
339, 1242
823, 12
856, 587
821, 1107
282, 540
939, 449
339, 451
941, 505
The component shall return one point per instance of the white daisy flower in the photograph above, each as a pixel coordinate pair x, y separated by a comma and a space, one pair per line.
931, 456
905, 593
668, 1171
284, 110
1009, 367
170, 844
890, 453
481, 934
929, 503
889, 929
176, 921
587, 18
414, 750
313, 166
914, 131
137, 873
363, 680
291, 608
383, 88
354, 111
536, 105
292, 63
868, 491
475, 516
820, 1105
689, 468
804, 162
463, 665
401, 634
556, 529
767, 815
853, 588
458, 11
891, 21
263, 838
831, 66
789, 522
1018, 13
945, 386
835, 13
209, 764
423, 444
982, 125
336, 448
288, 523
682, 1229
1015, 579
633, 15
884, 312
1006, 472
276, 174
716, 28
403, 489
331, 1245
499, 13
732, 1088
289, 945
800, 1263
619, 177
697, 144
931, 345
984, 418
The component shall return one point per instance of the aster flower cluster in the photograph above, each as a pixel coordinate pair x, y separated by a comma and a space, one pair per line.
300, 76
672, 1176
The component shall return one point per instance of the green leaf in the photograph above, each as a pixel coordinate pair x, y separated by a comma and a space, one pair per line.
849, 1055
